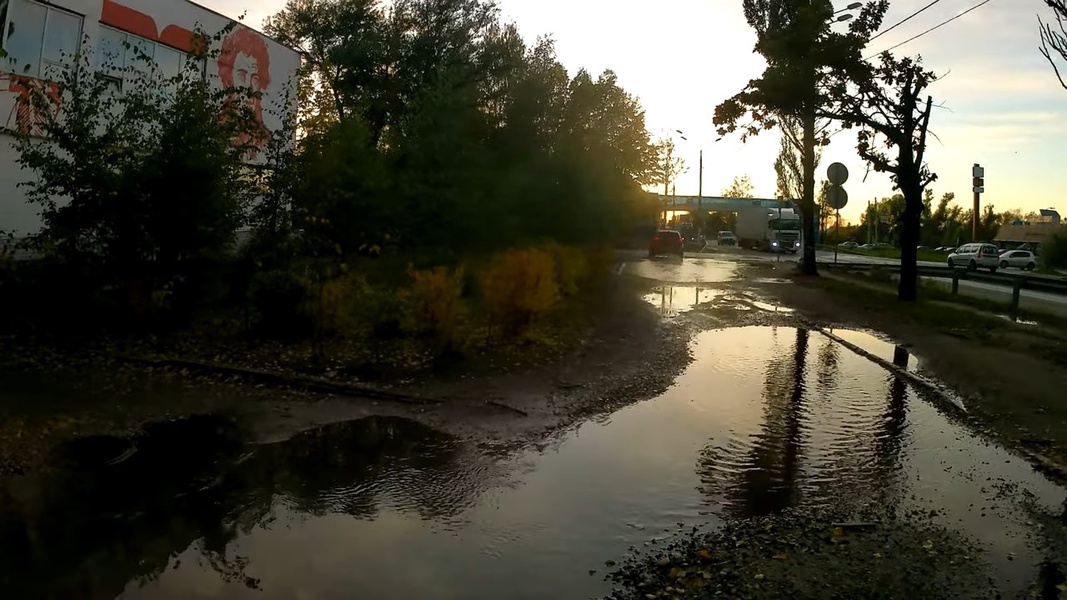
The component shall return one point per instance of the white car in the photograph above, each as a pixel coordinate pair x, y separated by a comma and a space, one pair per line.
1020, 259
973, 256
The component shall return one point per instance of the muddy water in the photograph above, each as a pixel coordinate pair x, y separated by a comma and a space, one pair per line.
688, 270
765, 418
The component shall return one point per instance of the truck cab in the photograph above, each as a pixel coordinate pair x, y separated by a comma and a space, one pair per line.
769, 229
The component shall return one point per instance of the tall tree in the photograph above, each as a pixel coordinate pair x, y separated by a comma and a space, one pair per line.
885, 101
669, 166
801, 50
741, 187
826, 213
788, 166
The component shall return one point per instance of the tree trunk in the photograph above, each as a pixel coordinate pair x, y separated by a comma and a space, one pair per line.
910, 231
807, 204
912, 186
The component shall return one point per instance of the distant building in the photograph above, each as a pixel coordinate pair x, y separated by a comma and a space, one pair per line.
1031, 232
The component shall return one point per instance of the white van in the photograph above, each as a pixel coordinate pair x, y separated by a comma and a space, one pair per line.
974, 256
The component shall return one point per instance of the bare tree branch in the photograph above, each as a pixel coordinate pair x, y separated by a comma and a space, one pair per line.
1053, 41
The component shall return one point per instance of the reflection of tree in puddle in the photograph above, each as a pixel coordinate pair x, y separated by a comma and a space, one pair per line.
91, 527
674, 300
799, 456
767, 476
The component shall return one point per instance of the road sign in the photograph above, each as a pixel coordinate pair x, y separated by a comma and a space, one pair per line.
837, 173
836, 197
977, 170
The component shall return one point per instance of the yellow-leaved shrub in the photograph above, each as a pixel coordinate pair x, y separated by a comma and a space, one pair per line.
433, 303
519, 286
572, 267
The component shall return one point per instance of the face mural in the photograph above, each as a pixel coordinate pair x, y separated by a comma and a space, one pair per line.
244, 68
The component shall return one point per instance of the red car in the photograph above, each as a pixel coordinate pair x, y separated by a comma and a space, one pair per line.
666, 241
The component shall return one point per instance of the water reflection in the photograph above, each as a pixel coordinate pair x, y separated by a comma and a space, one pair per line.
820, 434
769, 483
674, 300
386, 508
109, 516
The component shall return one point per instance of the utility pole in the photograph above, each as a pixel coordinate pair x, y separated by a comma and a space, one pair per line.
978, 179
700, 194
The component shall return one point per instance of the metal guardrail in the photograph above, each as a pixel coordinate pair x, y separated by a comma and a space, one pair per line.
1017, 283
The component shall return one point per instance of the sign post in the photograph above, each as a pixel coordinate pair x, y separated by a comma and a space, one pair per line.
836, 196
978, 180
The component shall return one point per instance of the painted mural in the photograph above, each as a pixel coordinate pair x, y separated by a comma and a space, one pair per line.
26, 116
245, 59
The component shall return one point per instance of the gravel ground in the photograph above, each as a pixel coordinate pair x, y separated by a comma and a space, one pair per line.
865, 553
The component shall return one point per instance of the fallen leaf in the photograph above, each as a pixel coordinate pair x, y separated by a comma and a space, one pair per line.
780, 556
703, 554
839, 531
676, 573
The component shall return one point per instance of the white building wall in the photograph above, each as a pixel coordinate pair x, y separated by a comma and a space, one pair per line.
248, 58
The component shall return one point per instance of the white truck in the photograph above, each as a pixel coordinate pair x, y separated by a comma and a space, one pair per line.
769, 229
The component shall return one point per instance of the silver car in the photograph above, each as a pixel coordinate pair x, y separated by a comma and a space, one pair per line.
974, 256
1022, 259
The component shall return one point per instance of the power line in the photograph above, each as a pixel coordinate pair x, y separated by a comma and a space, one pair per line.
938, 26
908, 18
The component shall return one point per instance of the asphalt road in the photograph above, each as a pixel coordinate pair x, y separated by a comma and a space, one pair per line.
1038, 302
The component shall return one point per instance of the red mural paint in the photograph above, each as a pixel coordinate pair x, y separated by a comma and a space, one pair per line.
244, 64
138, 23
29, 116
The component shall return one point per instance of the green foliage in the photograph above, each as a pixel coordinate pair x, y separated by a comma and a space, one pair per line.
1054, 249
278, 298
433, 125
148, 185
428, 132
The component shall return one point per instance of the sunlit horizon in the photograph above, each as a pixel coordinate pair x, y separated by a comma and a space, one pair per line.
999, 103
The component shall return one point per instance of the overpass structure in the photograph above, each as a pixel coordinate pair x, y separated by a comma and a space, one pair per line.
693, 204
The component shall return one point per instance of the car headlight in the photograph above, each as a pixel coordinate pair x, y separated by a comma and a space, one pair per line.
798, 244
775, 243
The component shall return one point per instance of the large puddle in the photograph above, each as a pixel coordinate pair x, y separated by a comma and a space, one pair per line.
765, 418
688, 270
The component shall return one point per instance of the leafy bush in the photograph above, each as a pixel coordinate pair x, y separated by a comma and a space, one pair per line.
433, 304
577, 266
279, 297
331, 305
1054, 249
519, 286
572, 267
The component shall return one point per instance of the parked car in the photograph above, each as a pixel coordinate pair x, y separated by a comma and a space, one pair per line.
1021, 259
727, 238
974, 256
666, 241
848, 245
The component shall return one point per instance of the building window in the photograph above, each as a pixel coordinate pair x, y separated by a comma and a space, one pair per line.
126, 58
40, 40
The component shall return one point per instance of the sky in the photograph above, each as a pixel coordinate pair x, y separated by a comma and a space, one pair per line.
998, 102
